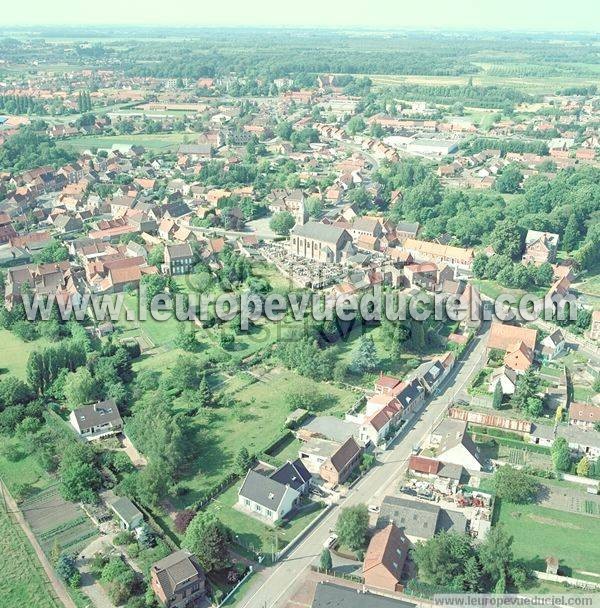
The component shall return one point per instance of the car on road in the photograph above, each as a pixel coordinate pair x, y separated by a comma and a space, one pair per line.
373, 509
330, 542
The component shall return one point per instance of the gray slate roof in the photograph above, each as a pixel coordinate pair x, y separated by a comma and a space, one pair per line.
328, 595
263, 490
176, 570
97, 414
320, 232
419, 519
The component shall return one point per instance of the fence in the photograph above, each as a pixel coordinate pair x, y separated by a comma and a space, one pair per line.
239, 584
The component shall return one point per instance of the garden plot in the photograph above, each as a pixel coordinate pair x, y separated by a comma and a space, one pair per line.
55, 521
568, 499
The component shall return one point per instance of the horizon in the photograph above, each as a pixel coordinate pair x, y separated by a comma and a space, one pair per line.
381, 15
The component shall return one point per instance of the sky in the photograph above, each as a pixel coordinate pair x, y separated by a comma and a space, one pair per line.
573, 15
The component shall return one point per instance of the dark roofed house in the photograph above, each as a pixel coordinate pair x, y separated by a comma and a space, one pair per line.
328, 595
179, 259
98, 420
419, 520
178, 580
340, 465
295, 475
266, 497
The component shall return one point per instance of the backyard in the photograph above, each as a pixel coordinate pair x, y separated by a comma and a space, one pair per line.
573, 538
253, 417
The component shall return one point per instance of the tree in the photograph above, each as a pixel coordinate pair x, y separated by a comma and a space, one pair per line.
243, 461
510, 180
79, 481
497, 399
442, 559
496, 556
352, 526
147, 537
207, 538
479, 265
183, 520
356, 125
514, 485
65, 566
506, 239
186, 339
79, 388
156, 256
561, 454
326, 561
14, 391
281, 223
583, 467
572, 233
365, 358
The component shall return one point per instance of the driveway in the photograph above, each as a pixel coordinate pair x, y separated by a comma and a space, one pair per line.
89, 585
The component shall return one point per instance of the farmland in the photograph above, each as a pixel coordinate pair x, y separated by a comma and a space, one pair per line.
23, 582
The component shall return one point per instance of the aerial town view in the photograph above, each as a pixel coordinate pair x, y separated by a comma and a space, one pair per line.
300, 304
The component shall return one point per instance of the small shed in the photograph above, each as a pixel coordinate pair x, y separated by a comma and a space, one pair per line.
552, 564
130, 517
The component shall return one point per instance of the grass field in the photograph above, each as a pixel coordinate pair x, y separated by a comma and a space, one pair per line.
23, 582
254, 419
15, 352
573, 538
156, 142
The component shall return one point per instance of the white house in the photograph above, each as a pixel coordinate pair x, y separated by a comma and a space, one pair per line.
95, 421
264, 497
454, 445
553, 345
507, 378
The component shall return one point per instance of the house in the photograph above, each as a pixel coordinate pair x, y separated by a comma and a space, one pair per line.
553, 345
518, 343
385, 558
337, 467
425, 251
129, 516
584, 415
431, 373
377, 427
328, 595
454, 445
295, 475
66, 223
178, 580
419, 520
263, 496
101, 419
319, 242
423, 466
540, 247
179, 259
387, 385
411, 397
507, 378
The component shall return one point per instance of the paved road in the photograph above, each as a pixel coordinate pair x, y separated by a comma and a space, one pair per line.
273, 586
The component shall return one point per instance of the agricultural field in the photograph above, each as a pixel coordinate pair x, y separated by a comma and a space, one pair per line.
23, 581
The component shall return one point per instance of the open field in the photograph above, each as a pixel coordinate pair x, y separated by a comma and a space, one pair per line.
156, 142
573, 538
15, 352
23, 582
494, 74
253, 417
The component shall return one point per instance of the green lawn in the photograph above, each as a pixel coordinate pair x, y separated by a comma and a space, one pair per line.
15, 353
539, 532
255, 419
23, 582
253, 534
156, 142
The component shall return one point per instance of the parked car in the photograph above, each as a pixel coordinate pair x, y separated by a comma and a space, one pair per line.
373, 509
330, 542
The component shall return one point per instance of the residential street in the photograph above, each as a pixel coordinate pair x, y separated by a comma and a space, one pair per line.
273, 586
